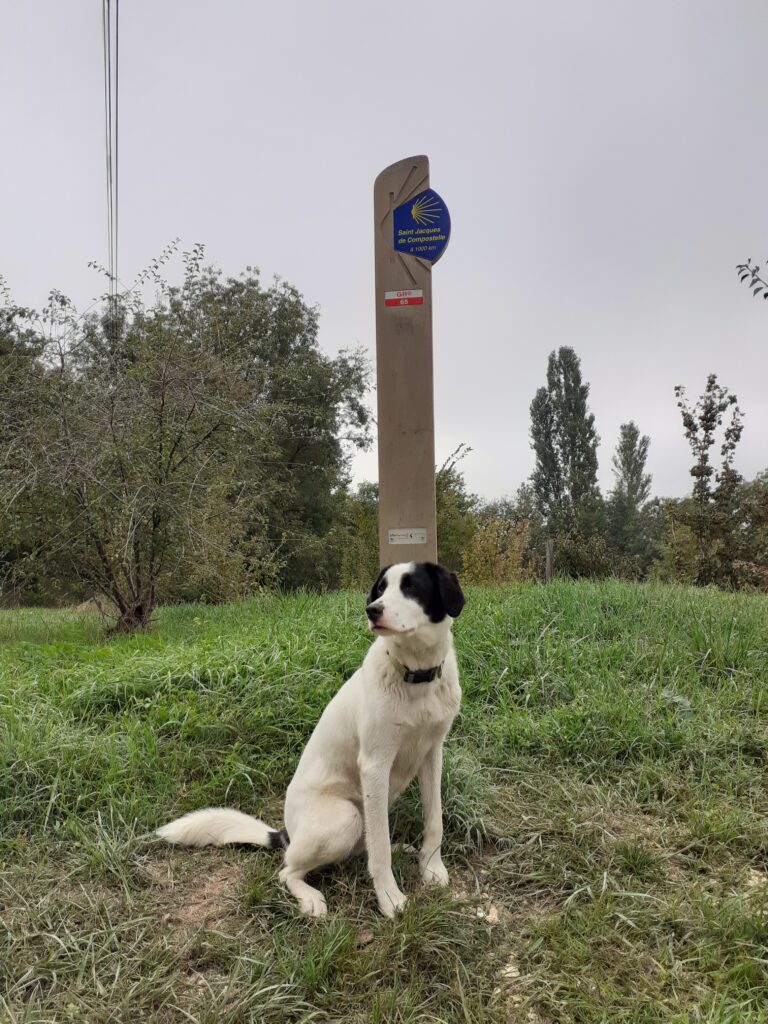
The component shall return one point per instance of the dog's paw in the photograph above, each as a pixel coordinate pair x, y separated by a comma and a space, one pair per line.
434, 873
313, 905
391, 901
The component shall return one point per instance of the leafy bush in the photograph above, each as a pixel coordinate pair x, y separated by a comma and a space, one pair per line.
579, 557
495, 552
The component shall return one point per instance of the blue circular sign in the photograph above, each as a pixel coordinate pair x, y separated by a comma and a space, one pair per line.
422, 226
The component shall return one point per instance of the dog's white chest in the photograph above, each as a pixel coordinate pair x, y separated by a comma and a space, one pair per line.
420, 724
427, 705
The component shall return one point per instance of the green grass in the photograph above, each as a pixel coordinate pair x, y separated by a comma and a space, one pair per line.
606, 807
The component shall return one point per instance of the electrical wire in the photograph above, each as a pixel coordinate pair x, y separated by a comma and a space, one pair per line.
111, 136
117, 135
107, 138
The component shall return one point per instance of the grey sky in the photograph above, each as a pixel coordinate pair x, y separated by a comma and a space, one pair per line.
604, 164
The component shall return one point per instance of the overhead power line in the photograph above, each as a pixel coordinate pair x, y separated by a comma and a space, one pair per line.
111, 47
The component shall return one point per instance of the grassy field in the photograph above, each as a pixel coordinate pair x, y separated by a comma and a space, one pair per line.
606, 817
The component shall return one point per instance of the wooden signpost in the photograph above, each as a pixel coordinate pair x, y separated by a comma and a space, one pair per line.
412, 227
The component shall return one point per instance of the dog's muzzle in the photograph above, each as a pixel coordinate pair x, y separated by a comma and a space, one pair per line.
374, 612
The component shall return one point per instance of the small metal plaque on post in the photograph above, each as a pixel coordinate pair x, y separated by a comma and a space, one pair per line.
412, 228
407, 535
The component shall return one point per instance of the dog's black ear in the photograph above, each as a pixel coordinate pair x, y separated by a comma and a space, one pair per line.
375, 588
450, 591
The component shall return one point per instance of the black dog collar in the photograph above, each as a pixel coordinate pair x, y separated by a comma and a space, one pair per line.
419, 675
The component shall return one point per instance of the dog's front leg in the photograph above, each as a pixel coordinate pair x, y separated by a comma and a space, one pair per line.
433, 871
375, 784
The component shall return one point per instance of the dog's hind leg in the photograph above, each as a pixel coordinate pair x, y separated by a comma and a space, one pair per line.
327, 831
311, 901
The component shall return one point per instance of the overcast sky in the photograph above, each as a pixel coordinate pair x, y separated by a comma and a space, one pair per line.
604, 164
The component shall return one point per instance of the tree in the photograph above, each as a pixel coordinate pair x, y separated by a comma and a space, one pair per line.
19, 519
752, 565
318, 412
455, 511
629, 465
143, 440
174, 445
515, 531
360, 546
565, 441
711, 515
496, 552
548, 477
629, 519
750, 272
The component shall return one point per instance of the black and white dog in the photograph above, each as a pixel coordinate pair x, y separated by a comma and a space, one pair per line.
385, 725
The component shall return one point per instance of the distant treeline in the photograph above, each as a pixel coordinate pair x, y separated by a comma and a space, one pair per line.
198, 449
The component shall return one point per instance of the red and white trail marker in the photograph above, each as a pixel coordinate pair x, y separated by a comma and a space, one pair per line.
412, 297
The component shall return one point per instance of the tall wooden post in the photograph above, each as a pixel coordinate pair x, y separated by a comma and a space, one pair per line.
409, 219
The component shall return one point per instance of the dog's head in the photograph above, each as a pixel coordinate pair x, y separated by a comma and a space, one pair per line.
411, 595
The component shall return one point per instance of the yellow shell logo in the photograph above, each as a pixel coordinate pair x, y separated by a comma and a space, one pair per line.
426, 210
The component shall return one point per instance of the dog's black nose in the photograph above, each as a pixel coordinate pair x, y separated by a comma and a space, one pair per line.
374, 612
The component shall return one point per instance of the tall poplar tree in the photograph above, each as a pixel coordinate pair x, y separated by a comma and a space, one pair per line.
630, 493
565, 441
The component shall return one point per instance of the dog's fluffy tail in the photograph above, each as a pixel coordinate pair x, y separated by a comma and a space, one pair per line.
217, 826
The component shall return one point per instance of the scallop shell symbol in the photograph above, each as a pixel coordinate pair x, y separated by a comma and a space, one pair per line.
426, 210
421, 226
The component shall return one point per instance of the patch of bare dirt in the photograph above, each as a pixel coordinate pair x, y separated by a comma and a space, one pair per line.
626, 825
202, 891
159, 873
755, 883
472, 888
